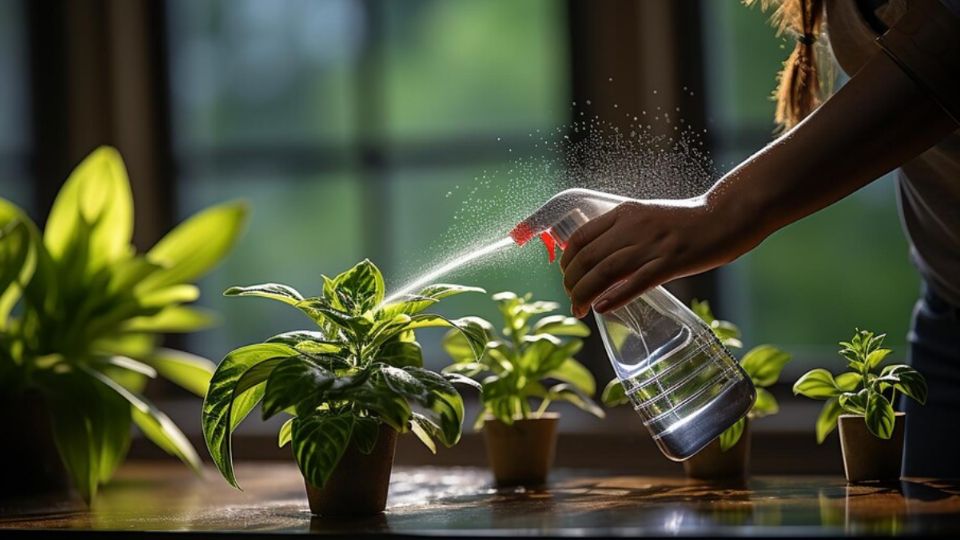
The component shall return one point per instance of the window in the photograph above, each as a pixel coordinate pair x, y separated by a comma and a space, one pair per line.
14, 106
356, 128
810, 284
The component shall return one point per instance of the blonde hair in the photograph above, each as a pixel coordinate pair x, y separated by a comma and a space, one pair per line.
798, 90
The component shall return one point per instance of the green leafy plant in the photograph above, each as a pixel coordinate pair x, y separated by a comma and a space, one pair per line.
81, 313
867, 390
762, 364
517, 366
359, 367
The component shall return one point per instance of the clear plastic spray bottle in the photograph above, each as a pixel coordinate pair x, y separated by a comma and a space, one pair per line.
682, 382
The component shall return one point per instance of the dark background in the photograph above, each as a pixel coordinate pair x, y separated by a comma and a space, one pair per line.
393, 130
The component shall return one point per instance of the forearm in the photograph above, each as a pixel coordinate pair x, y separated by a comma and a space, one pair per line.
879, 120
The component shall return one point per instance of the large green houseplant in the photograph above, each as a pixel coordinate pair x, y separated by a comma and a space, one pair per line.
862, 402
728, 456
81, 314
351, 384
531, 360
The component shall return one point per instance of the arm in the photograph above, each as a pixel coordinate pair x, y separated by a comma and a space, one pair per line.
880, 119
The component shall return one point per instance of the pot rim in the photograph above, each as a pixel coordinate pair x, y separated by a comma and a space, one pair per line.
895, 414
549, 415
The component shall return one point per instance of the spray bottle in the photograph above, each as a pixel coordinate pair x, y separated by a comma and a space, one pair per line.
682, 382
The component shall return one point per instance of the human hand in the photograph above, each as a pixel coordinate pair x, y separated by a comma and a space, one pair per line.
641, 244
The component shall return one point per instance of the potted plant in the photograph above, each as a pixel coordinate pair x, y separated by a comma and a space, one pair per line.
529, 361
728, 456
861, 400
81, 314
350, 385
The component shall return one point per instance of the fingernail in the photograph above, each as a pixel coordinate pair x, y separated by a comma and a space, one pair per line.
602, 306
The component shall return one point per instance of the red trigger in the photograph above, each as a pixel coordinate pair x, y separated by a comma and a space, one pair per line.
551, 245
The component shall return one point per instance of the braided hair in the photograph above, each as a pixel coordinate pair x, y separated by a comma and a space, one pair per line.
798, 90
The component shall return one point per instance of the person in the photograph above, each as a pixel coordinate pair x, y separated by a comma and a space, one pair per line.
899, 108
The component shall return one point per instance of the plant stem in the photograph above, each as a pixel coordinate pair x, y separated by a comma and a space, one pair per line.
543, 408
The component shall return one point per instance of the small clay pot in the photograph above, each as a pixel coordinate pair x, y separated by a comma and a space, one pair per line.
521, 454
867, 457
712, 463
359, 484
30, 464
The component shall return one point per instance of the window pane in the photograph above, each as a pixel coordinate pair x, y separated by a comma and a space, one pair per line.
256, 72
14, 105
743, 56
429, 227
489, 65
299, 228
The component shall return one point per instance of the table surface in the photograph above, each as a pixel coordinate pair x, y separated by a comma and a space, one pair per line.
154, 498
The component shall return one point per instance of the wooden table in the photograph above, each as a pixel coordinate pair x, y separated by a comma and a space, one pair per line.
158, 498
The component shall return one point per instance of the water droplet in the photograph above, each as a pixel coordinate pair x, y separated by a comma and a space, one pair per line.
588, 102
499, 139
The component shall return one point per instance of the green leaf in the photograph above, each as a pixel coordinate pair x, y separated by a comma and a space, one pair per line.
154, 424
456, 378
187, 370
848, 381
573, 372
172, 319
96, 197
854, 402
296, 381
227, 402
907, 380
614, 395
273, 291
17, 260
425, 430
879, 416
415, 303
195, 246
763, 364
459, 348
297, 336
827, 420
731, 436
173, 294
361, 287
472, 329
561, 325
765, 404
816, 384
876, 357
444, 400
566, 392
319, 441
366, 431
405, 384
401, 354
78, 428
286, 432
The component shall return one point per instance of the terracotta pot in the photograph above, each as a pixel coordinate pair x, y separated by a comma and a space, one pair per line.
867, 457
30, 464
711, 463
359, 484
521, 454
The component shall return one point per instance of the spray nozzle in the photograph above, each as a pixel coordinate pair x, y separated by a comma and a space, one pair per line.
559, 217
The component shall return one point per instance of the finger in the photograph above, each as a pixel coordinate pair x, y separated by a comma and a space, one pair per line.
591, 255
618, 266
648, 276
586, 234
